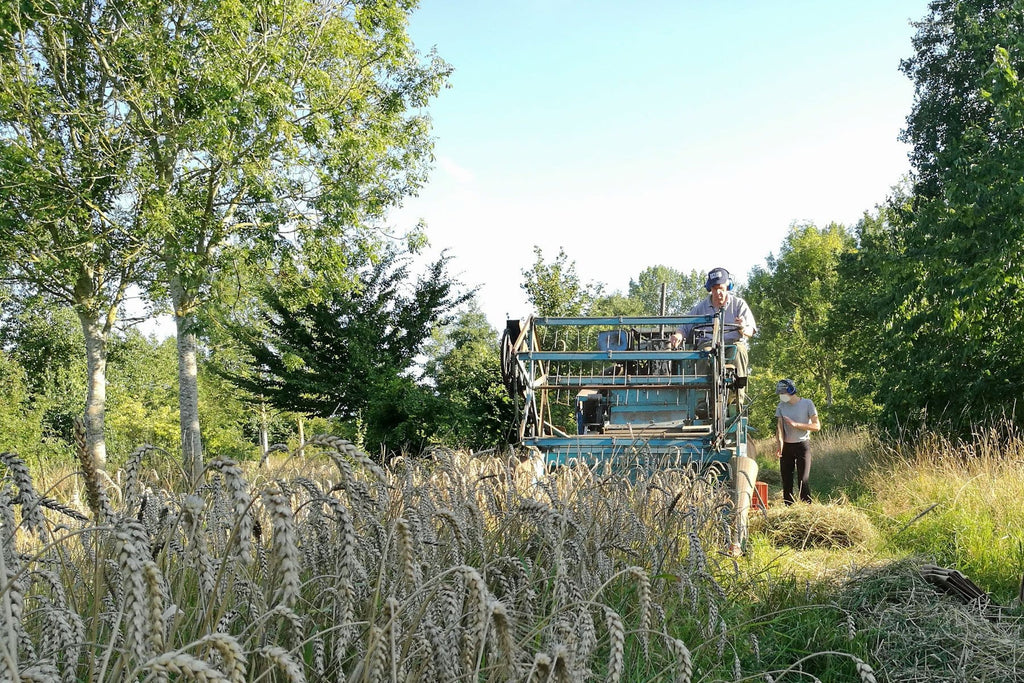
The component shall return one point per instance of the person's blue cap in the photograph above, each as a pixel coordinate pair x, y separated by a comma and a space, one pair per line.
717, 276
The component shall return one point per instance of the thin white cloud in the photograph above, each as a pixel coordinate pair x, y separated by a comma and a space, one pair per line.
459, 174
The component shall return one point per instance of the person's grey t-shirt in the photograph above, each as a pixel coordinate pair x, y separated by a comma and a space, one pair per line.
801, 412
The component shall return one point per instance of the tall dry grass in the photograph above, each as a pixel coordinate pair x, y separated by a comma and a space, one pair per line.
959, 502
324, 566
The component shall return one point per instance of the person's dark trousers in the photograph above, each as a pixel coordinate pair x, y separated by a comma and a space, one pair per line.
796, 459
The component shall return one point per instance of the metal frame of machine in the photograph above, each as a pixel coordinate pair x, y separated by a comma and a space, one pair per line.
609, 391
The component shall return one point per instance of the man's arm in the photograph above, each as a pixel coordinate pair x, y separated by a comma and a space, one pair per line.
812, 424
745, 317
779, 430
677, 338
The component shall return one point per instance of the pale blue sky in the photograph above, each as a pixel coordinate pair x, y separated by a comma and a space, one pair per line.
688, 134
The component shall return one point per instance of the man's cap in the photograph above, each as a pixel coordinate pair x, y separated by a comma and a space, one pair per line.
785, 386
717, 276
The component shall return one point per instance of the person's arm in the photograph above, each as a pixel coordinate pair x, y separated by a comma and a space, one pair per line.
677, 338
745, 317
779, 431
812, 424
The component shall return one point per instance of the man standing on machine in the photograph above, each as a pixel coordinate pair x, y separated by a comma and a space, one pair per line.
736, 316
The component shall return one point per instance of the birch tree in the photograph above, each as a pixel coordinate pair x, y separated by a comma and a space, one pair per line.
70, 194
191, 130
287, 125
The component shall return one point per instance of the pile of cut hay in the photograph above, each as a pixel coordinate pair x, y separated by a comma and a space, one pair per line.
812, 525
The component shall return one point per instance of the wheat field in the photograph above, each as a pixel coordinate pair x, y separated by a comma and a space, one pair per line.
323, 566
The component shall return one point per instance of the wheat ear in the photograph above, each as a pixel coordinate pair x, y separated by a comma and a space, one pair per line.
284, 661
864, 670
143, 633
616, 644
644, 591
28, 498
407, 553
8, 624
185, 665
284, 551
43, 672
505, 639
230, 654
477, 603
95, 489
540, 672
238, 491
684, 661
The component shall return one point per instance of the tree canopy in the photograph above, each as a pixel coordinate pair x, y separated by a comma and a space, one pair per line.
955, 328
144, 144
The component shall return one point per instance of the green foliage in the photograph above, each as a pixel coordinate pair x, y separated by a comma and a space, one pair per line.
955, 326
46, 341
349, 353
682, 290
148, 144
799, 328
465, 367
142, 395
554, 289
616, 304
20, 422
866, 298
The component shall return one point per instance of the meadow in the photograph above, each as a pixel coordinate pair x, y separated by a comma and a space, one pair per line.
320, 565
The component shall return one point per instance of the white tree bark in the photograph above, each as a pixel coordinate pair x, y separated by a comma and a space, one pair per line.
188, 384
96, 393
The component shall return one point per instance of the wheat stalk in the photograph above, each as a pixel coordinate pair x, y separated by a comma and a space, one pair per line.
284, 552
238, 492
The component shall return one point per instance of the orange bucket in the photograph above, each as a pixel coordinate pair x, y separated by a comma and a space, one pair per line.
759, 498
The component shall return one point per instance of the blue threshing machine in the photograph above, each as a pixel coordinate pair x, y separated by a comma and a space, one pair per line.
611, 390
612, 393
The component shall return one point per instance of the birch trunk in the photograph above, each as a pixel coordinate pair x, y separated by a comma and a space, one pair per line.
188, 383
96, 393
